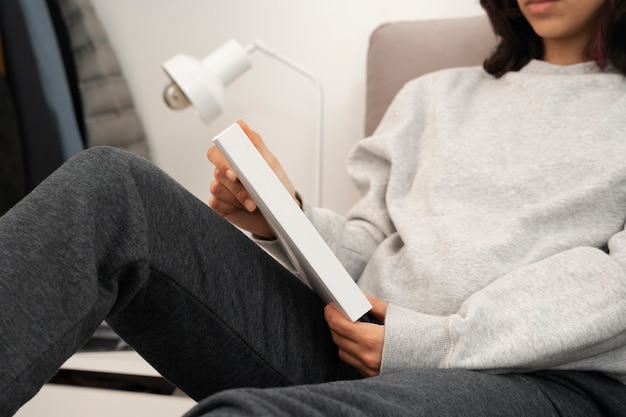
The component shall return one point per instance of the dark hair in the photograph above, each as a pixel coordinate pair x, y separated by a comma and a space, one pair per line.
519, 43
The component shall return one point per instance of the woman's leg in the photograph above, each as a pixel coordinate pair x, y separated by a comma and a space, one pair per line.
110, 236
431, 393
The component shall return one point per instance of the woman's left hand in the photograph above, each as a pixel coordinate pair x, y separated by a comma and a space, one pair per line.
360, 344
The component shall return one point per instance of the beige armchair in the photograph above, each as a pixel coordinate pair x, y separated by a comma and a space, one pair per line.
401, 51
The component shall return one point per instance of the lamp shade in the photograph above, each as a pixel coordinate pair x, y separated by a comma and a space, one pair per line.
201, 83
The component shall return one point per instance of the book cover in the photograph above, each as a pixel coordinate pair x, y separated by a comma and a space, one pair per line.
305, 247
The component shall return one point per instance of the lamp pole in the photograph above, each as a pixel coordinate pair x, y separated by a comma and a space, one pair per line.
319, 142
201, 83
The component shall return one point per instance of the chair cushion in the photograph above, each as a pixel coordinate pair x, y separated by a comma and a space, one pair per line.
401, 51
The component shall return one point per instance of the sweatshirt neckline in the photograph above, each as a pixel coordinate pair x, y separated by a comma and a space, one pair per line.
536, 66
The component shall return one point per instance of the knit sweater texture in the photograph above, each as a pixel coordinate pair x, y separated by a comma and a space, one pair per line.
492, 221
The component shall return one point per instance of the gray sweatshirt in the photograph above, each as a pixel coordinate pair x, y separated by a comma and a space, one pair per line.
492, 221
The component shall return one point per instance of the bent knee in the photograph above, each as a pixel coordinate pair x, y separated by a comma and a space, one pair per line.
101, 156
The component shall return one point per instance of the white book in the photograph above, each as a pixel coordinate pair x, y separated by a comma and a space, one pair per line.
307, 250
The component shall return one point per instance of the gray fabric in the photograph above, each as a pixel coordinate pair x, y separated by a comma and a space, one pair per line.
431, 393
492, 221
110, 235
401, 51
110, 115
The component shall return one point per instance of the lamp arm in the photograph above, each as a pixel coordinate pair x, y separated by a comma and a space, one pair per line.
319, 151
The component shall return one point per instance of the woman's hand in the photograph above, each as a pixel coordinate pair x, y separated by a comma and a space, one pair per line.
230, 199
360, 344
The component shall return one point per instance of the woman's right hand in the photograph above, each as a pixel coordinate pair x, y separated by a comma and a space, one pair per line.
230, 199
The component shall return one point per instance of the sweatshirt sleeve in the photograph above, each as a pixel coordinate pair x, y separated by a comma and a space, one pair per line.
354, 237
353, 253
565, 312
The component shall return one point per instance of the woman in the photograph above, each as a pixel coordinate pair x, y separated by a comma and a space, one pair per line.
490, 233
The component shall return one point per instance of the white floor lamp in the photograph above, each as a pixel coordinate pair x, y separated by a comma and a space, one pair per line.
201, 84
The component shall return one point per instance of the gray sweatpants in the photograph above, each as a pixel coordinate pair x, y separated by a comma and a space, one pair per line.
110, 236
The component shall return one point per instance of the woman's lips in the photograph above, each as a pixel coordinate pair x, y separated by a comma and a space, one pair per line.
539, 6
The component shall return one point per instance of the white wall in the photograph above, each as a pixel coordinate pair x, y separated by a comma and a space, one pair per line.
328, 37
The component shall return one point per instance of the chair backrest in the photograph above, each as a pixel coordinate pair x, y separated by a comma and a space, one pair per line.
401, 51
